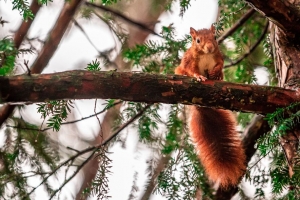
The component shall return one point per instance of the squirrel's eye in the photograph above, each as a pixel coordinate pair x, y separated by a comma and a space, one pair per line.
198, 40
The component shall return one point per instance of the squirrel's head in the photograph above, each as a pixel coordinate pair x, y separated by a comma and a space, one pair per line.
204, 40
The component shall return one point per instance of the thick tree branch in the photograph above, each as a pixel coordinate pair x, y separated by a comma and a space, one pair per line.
141, 87
284, 14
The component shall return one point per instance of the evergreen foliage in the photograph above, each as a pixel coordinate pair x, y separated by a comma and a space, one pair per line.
183, 175
57, 111
7, 56
27, 154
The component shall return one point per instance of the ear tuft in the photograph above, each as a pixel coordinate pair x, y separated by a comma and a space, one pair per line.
193, 32
213, 29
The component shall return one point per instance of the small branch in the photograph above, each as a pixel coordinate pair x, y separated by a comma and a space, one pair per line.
69, 122
73, 175
70, 148
86, 35
162, 162
62, 164
239, 23
50, 46
251, 49
120, 15
93, 149
126, 124
6, 110
26, 65
103, 54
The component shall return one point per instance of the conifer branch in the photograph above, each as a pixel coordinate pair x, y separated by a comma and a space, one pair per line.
92, 149
68, 122
232, 63
238, 24
55, 36
120, 15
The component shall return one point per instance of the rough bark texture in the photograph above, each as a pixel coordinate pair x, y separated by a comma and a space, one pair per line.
144, 14
6, 110
287, 54
285, 40
141, 87
285, 14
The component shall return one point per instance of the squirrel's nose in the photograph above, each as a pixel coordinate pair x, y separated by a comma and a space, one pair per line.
209, 47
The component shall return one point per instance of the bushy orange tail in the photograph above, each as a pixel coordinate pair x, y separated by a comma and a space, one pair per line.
218, 144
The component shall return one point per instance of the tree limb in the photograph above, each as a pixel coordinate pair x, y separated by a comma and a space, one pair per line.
282, 13
142, 87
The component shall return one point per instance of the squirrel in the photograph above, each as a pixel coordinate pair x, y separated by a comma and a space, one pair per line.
213, 131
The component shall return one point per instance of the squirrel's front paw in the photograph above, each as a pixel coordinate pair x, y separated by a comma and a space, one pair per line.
215, 76
200, 77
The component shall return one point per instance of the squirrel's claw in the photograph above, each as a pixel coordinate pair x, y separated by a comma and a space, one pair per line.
200, 77
215, 75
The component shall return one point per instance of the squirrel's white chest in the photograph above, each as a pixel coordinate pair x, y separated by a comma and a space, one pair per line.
206, 63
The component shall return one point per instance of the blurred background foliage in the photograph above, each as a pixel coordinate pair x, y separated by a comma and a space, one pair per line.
247, 52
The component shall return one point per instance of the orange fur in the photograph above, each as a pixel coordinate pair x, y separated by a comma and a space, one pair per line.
218, 144
213, 130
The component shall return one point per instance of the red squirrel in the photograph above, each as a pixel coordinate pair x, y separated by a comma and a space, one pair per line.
213, 130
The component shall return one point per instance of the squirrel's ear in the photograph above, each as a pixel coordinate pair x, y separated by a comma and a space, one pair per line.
213, 29
193, 32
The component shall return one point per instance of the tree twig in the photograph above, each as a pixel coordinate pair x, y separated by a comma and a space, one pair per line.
239, 23
120, 15
281, 13
69, 122
74, 174
251, 49
23, 29
93, 149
